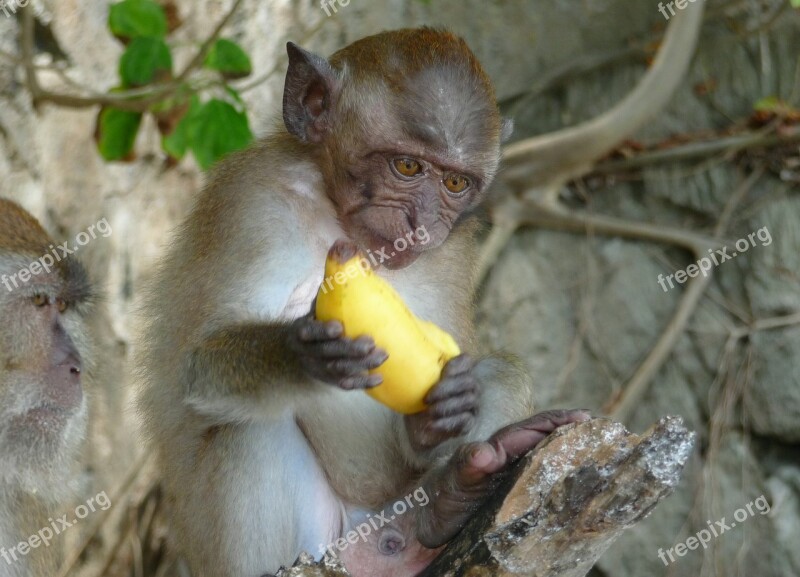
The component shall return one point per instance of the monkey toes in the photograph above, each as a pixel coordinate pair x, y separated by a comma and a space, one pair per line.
464, 483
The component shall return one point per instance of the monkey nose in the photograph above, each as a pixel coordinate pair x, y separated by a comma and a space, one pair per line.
72, 366
68, 358
64, 380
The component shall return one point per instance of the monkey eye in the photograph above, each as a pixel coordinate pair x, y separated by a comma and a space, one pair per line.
457, 184
62, 305
407, 167
39, 300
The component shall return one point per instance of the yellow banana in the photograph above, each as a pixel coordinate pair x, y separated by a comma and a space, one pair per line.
368, 305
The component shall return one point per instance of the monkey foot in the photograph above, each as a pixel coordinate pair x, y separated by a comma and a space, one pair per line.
458, 488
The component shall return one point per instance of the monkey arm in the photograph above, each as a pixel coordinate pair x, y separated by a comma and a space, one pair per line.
277, 363
245, 367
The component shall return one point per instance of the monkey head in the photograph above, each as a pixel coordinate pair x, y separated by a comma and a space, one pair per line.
407, 131
43, 353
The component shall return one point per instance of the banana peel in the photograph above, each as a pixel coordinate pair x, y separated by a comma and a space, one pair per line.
366, 304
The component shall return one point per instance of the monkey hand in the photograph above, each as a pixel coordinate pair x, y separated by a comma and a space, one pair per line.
327, 355
452, 407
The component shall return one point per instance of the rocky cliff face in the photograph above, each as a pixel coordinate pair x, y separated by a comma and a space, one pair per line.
582, 310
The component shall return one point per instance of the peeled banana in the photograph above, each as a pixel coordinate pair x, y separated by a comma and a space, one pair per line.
366, 304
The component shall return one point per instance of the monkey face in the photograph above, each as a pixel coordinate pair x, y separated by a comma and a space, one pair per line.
408, 131
398, 205
42, 403
400, 195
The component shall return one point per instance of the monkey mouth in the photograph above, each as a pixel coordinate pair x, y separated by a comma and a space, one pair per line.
45, 417
385, 252
401, 260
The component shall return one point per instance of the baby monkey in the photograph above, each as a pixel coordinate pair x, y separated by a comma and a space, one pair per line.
268, 446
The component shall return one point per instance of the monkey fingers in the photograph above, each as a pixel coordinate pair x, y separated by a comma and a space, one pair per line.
345, 348
310, 330
327, 355
452, 407
464, 483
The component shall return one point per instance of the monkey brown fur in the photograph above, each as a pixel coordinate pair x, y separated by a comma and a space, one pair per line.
267, 449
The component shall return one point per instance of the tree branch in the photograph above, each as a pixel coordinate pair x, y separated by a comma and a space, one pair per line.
135, 100
553, 159
562, 506
201, 54
692, 150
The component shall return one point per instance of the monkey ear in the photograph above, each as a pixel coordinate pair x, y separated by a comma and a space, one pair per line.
506, 129
311, 89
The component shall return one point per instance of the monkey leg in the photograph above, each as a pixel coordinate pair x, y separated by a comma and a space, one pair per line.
402, 545
460, 486
259, 507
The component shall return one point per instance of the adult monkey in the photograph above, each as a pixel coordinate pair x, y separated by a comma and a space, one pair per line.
44, 350
265, 448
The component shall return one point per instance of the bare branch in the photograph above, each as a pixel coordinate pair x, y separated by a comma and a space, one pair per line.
135, 100
553, 159
555, 216
201, 54
637, 386
692, 150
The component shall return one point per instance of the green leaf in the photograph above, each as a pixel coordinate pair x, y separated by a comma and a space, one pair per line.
217, 129
795, 3
116, 132
177, 143
768, 103
228, 58
131, 19
775, 106
146, 59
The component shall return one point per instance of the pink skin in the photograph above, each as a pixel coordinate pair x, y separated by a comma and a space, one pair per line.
62, 386
64, 373
365, 560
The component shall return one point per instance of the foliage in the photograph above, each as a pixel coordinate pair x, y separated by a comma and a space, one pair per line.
209, 120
